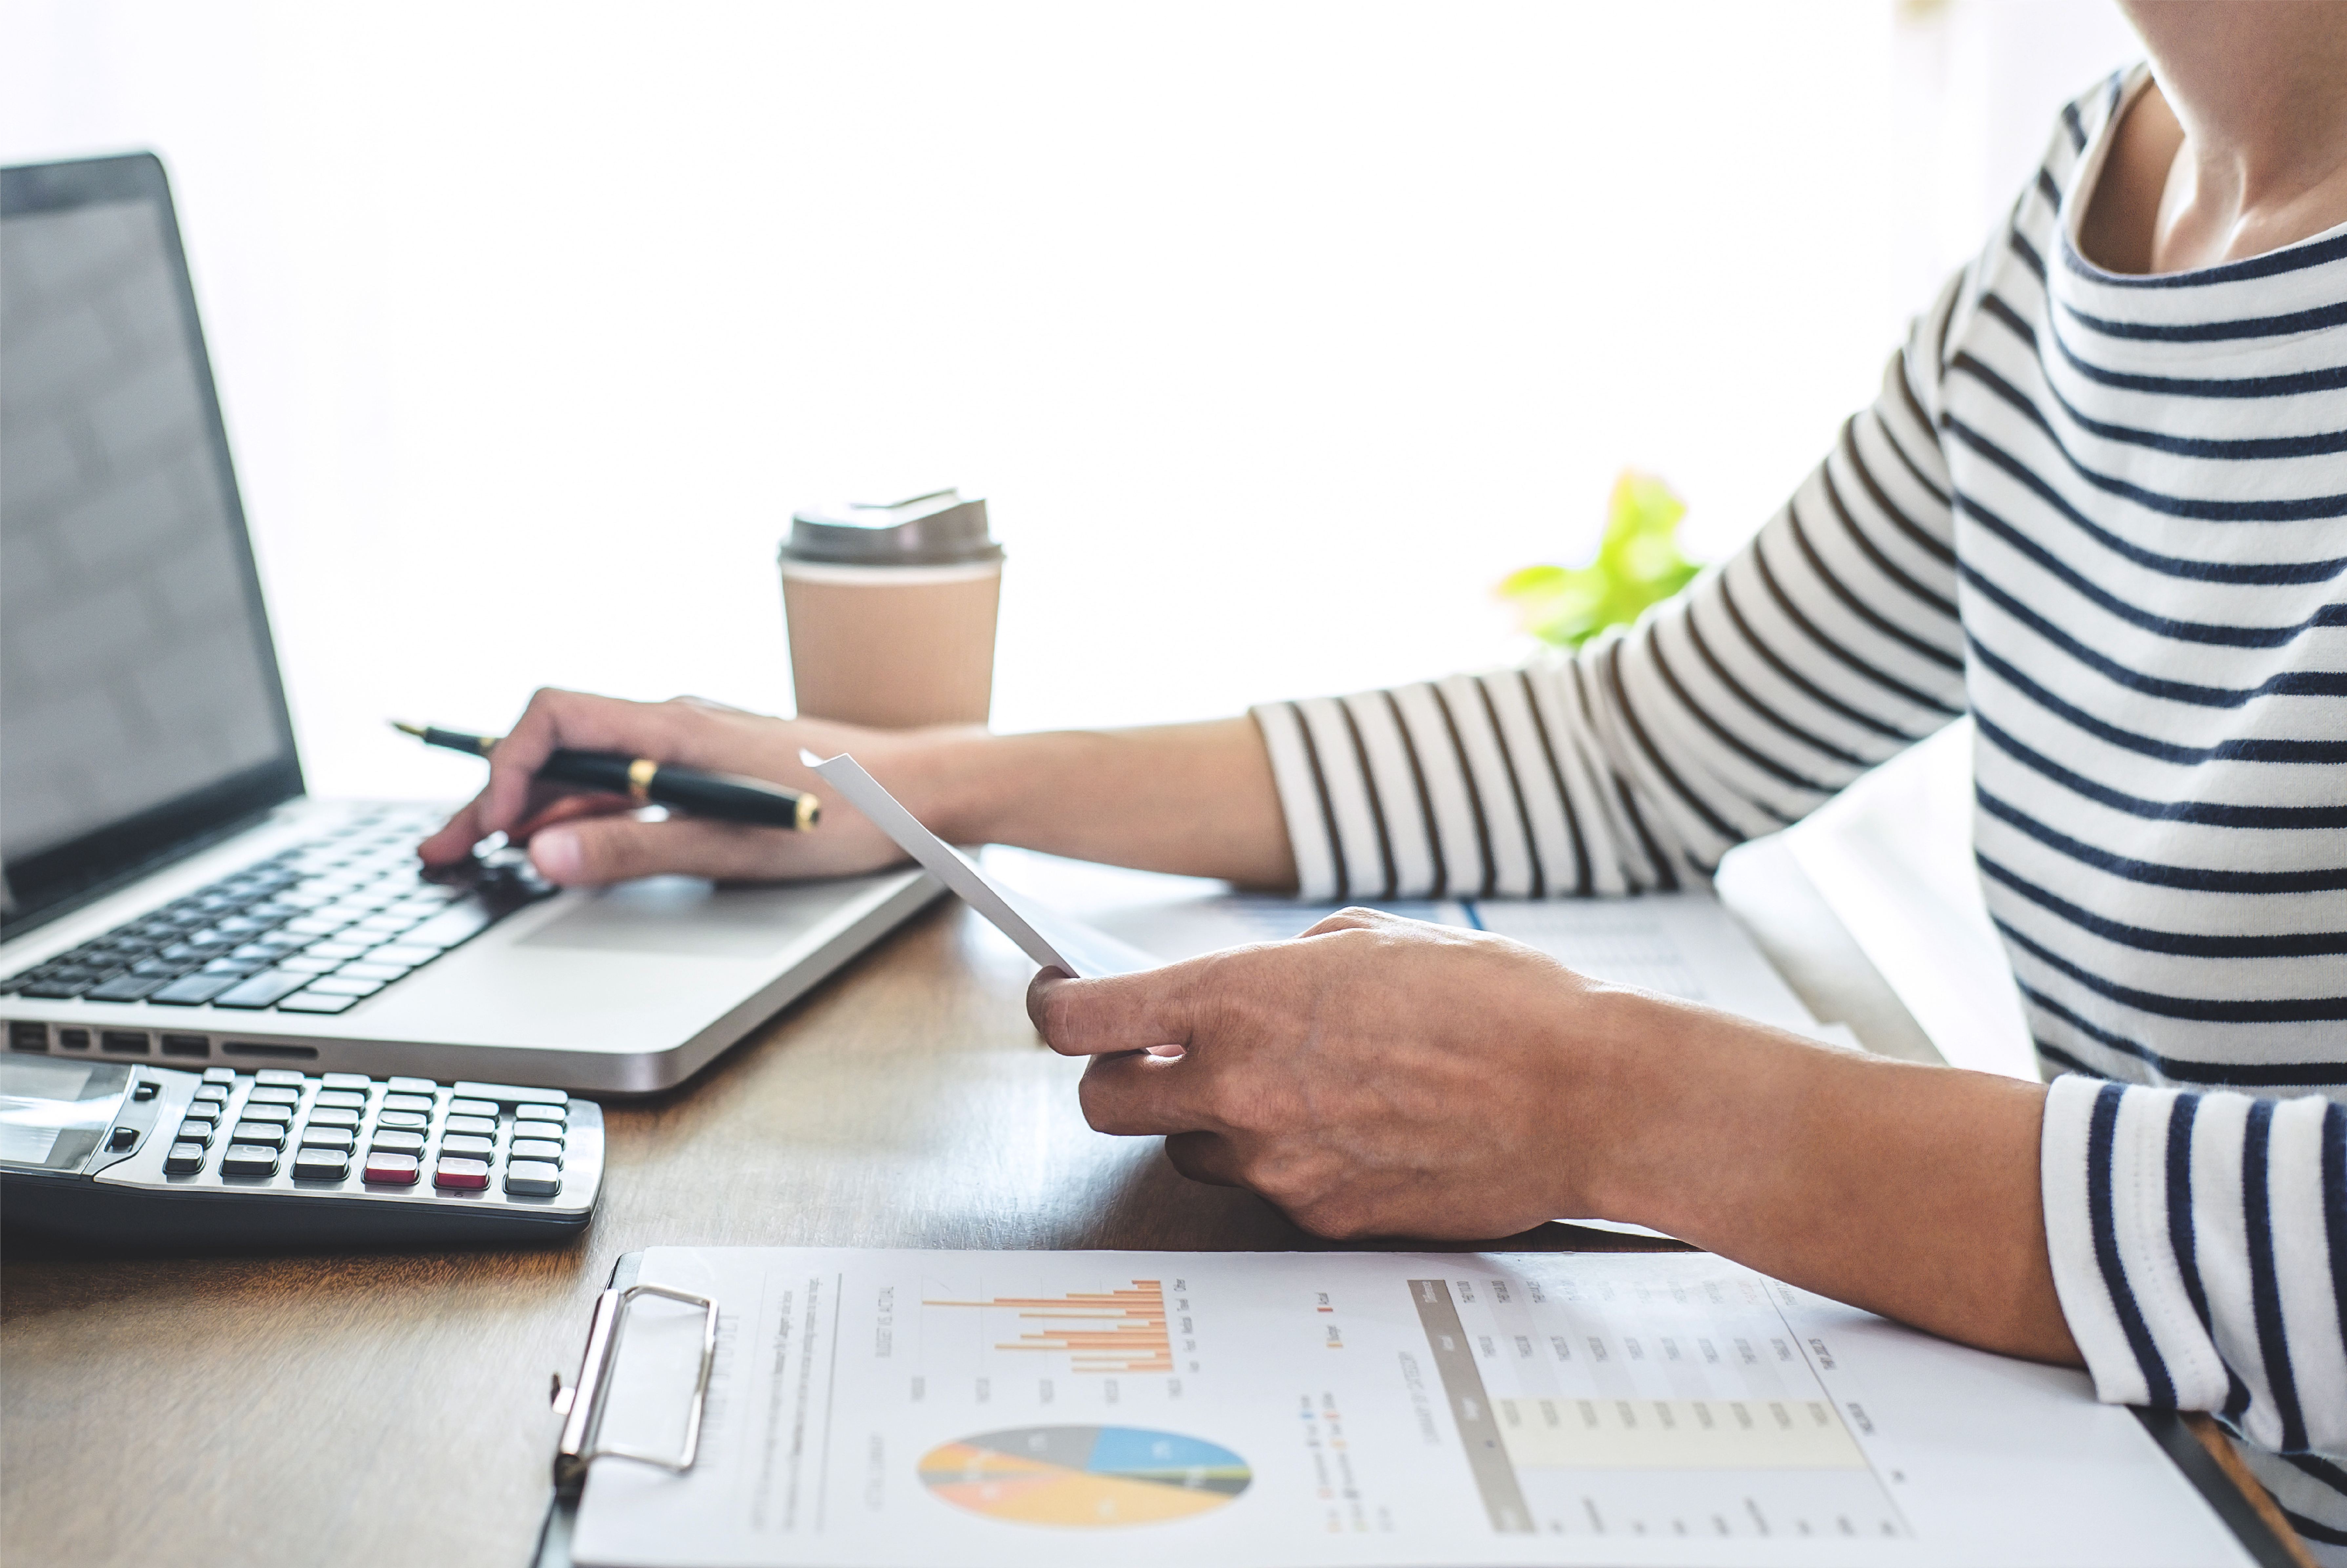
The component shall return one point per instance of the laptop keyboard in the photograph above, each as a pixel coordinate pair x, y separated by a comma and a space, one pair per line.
316, 929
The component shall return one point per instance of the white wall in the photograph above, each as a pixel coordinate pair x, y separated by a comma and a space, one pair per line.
1275, 333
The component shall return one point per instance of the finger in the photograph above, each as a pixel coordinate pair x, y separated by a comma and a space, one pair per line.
1204, 1157
1124, 1013
562, 808
582, 722
1137, 1094
457, 836
1352, 919
591, 851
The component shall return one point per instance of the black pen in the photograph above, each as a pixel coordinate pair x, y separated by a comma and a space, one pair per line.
725, 797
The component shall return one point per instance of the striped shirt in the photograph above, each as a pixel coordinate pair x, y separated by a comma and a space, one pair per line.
2107, 516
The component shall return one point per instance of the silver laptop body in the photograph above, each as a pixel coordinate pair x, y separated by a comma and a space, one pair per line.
170, 891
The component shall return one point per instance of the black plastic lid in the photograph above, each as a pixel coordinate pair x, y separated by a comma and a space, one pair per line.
939, 529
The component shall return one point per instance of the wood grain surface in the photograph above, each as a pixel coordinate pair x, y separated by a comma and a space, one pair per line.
392, 1408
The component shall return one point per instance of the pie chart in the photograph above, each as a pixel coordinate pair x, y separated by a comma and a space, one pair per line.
1084, 1477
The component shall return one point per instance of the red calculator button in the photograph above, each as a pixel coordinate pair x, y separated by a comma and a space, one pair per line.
391, 1170
461, 1175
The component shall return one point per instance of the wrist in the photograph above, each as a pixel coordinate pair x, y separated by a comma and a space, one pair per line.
955, 781
1610, 1082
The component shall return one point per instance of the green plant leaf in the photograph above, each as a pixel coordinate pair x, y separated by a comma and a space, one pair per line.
1638, 564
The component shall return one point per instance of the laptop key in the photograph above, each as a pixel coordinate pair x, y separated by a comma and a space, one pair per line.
312, 1001
193, 991
457, 923
341, 986
130, 988
263, 990
62, 991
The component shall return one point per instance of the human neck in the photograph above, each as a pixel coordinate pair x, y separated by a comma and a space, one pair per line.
2240, 148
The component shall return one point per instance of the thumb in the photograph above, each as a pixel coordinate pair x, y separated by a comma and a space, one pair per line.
1122, 1012
591, 851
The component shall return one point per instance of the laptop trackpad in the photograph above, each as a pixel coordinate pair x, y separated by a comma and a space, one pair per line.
690, 915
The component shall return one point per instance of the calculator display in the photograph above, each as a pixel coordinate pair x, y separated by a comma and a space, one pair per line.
52, 1113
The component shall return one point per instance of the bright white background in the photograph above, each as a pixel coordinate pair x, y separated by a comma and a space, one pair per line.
1275, 334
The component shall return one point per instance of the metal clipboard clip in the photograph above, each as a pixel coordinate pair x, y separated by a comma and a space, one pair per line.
581, 1405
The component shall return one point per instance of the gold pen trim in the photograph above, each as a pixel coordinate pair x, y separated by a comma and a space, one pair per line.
809, 811
640, 780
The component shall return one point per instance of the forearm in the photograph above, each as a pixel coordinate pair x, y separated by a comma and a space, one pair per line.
1197, 799
1910, 1191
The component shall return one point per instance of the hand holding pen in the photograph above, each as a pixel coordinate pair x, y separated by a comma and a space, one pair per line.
724, 797
676, 753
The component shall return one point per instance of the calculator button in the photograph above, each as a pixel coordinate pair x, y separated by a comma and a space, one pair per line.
327, 1138
220, 1075
532, 1178
412, 1085
545, 1149
397, 1142
333, 1116
249, 1160
253, 1112
389, 1170
195, 1130
407, 1103
122, 1138
358, 1080
343, 1098
472, 1108
184, 1160
407, 1121
543, 1112
269, 1133
469, 1146
481, 1125
146, 1088
212, 1094
461, 1175
321, 1165
279, 1075
273, 1096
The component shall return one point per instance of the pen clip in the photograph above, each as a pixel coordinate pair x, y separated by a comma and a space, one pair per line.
582, 1422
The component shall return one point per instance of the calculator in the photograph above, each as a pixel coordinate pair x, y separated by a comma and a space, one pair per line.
126, 1153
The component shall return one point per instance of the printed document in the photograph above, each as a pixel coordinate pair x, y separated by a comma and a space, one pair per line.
1009, 1409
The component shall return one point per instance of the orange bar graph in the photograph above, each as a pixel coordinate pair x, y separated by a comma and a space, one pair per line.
1132, 1338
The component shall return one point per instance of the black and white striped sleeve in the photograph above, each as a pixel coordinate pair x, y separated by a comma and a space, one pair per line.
1824, 646
2199, 1248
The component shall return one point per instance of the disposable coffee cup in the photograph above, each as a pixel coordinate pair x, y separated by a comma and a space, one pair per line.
891, 609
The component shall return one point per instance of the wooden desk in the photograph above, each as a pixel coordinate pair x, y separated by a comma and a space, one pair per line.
393, 1409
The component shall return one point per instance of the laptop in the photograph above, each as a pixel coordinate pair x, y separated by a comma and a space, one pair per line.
170, 892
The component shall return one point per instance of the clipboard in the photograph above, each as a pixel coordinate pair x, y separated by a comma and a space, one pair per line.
580, 1406
579, 1449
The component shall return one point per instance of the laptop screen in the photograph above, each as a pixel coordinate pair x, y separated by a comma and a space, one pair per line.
141, 710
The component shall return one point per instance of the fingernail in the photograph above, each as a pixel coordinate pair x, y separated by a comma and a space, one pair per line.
558, 855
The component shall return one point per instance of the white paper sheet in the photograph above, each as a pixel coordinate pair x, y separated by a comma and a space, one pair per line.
883, 1410
1052, 940
1891, 857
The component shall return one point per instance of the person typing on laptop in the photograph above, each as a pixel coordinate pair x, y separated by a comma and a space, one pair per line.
2098, 505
